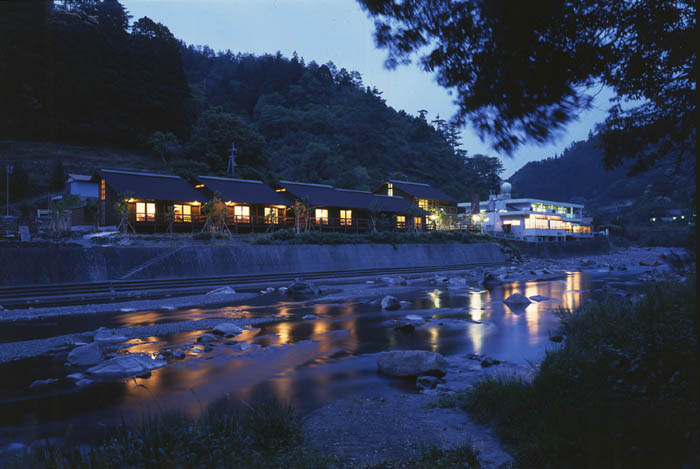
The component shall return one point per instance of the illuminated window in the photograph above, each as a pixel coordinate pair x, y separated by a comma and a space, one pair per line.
145, 211
423, 203
346, 217
389, 189
321, 216
400, 221
556, 224
418, 222
541, 224
182, 213
272, 215
103, 189
241, 213
511, 222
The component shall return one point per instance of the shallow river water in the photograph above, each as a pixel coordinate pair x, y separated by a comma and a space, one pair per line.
303, 362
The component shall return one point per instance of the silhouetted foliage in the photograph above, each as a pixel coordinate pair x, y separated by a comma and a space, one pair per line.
521, 72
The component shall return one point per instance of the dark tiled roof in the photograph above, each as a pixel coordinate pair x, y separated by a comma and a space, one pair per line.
151, 185
422, 191
243, 191
328, 196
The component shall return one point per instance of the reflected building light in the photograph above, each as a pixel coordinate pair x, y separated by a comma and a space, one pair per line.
321, 327
475, 305
476, 333
284, 330
434, 338
435, 298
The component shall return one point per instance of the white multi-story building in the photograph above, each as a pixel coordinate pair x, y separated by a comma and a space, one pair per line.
530, 219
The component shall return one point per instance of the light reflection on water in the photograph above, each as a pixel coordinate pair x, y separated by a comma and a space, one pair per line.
304, 362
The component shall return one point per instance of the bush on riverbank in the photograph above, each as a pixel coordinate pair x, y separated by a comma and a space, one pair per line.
381, 237
267, 435
622, 390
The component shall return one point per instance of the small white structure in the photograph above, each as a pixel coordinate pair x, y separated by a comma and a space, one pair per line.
79, 184
530, 219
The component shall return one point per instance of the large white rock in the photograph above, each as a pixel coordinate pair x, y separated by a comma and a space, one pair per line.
126, 365
86, 355
390, 303
411, 363
227, 329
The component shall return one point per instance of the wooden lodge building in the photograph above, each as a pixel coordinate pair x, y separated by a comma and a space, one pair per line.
424, 196
347, 210
155, 202
250, 205
164, 202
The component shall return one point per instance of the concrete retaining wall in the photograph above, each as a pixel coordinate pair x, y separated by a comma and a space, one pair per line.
33, 265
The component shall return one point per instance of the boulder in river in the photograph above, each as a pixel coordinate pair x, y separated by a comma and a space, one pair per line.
222, 291
390, 303
227, 329
539, 298
301, 290
490, 280
206, 338
86, 355
517, 299
415, 318
308, 317
412, 363
123, 366
106, 336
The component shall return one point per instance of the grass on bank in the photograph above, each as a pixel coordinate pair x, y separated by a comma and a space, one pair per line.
267, 435
622, 391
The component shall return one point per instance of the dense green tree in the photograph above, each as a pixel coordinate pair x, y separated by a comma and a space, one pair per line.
212, 135
162, 143
484, 174
521, 71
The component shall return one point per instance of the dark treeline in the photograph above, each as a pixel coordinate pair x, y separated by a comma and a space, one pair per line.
85, 72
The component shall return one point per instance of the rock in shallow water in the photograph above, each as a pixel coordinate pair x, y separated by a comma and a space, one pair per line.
390, 303
107, 336
222, 291
126, 365
227, 329
300, 290
517, 299
411, 363
206, 338
86, 355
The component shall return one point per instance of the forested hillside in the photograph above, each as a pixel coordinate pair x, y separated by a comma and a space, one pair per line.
578, 175
86, 73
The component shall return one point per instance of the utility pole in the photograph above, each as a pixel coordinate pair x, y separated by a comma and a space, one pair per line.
8, 171
231, 167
